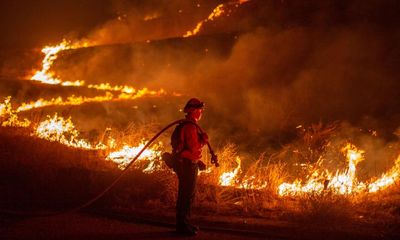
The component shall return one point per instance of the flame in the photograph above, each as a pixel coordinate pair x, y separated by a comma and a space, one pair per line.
57, 129
14, 121
50, 55
76, 83
386, 179
216, 13
125, 155
59, 101
340, 183
5, 107
9, 116
63, 130
231, 178
228, 178
344, 183
252, 182
47, 77
79, 100
108, 87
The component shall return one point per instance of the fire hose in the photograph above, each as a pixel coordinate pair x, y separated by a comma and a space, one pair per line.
214, 160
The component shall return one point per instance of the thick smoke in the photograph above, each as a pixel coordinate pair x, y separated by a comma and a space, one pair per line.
137, 21
277, 79
264, 69
287, 64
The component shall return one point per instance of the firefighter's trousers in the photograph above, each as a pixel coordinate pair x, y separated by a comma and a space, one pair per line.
187, 176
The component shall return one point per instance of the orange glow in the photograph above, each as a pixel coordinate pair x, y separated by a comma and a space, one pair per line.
71, 101
125, 155
108, 87
228, 178
216, 13
342, 182
60, 130
9, 117
319, 180
387, 179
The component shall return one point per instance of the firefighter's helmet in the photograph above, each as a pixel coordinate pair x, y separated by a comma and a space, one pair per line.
193, 103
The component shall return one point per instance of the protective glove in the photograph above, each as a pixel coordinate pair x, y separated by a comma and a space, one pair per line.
201, 165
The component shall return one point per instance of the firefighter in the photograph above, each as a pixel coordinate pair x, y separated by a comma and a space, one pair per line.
187, 141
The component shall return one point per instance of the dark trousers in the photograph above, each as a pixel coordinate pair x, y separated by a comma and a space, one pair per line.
187, 176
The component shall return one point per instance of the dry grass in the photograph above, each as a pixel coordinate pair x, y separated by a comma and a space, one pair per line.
55, 170
37, 173
324, 208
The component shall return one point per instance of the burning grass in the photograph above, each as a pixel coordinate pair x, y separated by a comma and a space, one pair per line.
55, 174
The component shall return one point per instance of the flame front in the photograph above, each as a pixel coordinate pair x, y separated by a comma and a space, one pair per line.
216, 13
387, 179
62, 130
127, 153
51, 54
58, 129
340, 183
79, 100
228, 178
345, 182
9, 117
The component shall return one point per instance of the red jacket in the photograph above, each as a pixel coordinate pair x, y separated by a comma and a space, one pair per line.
191, 142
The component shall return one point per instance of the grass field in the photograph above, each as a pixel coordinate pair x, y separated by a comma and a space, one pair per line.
40, 175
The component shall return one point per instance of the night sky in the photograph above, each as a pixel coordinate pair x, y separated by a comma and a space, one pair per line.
27, 23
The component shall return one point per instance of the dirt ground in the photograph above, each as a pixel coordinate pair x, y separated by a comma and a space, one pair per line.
110, 226
84, 226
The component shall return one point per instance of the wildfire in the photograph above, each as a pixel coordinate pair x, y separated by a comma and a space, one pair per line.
346, 182
108, 87
216, 13
47, 77
59, 101
252, 182
60, 130
51, 54
63, 131
14, 121
228, 178
125, 155
386, 179
5, 107
341, 183
79, 100
9, 116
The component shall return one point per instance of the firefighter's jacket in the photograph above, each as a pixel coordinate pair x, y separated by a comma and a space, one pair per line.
190, 141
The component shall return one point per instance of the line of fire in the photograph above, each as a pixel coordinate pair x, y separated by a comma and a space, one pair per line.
212, 119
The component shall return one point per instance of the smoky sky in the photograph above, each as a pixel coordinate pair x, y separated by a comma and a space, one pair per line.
267, 67
27, 24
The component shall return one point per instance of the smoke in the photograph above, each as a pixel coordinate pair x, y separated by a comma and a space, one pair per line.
289, 64
274, 79
264, 69
137, 21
